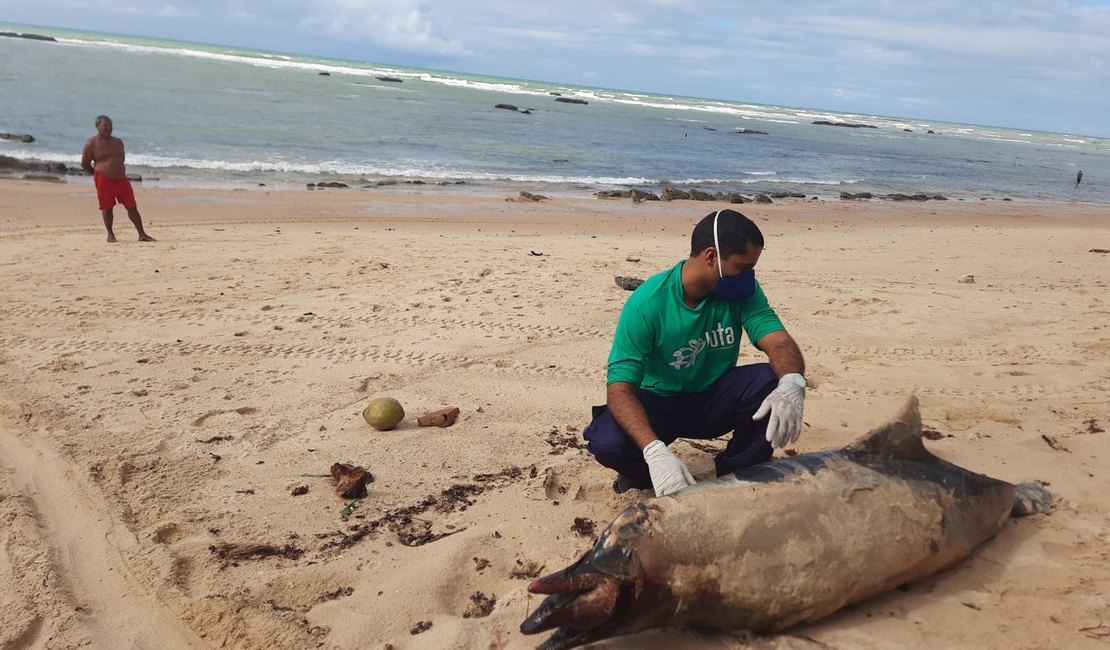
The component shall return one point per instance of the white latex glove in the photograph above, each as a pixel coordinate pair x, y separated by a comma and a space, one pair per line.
785, 404
668, 473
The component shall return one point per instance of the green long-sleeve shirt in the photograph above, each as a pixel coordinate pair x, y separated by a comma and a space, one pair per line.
664, 346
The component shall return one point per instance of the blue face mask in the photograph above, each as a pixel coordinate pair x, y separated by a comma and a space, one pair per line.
734, 288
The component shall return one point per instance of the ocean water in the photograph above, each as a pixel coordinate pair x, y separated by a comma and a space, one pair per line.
211, 116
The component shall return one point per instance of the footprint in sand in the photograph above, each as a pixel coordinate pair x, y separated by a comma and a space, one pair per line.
181, 572
25, 634
125, 471
220, 416
167, 534
153, 411
182, 549
563, 485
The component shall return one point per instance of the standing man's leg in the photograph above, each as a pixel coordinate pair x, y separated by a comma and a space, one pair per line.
127, 198
106, 200
108, 217
136, 218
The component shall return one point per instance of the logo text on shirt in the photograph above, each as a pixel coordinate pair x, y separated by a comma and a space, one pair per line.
687, 355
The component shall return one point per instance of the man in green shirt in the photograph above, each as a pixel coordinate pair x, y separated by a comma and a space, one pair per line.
672, 368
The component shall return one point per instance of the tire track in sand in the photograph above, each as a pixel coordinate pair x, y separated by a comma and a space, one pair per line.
90, 551
316, 351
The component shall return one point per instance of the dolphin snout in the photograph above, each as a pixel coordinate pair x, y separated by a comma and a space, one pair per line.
580, 602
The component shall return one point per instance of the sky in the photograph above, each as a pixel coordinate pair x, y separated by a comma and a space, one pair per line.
1027, 64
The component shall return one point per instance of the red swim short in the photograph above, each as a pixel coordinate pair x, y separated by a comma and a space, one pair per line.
111, 190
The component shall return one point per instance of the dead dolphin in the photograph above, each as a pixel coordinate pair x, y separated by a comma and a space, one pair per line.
786, 542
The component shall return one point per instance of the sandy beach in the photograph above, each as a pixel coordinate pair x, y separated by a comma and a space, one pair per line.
170, 411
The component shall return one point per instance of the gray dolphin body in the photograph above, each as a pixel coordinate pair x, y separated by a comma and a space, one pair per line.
787, 542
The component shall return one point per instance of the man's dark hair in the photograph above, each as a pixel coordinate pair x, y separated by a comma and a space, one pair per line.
101, 118
734, 230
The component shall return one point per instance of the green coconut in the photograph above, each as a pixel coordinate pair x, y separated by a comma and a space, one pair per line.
383, 413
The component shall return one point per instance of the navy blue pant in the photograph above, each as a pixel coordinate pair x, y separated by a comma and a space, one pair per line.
728, 405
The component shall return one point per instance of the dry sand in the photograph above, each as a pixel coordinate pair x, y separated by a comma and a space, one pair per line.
272, 318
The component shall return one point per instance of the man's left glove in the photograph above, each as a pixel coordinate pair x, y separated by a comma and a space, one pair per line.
785, 404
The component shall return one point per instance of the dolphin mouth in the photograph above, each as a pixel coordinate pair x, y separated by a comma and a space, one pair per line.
551, 607
581, 606
566, 638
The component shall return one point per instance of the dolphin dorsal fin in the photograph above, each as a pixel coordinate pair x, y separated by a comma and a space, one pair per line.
899, 438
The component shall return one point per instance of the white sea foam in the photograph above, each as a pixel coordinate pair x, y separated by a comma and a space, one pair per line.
759, 181
395, 169
261, 60
45, 156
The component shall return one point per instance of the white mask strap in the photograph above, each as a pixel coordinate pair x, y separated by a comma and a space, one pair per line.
717, 245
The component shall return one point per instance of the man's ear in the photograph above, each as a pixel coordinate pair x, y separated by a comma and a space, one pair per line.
709, 256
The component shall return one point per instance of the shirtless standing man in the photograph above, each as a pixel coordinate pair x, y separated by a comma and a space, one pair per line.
103, 158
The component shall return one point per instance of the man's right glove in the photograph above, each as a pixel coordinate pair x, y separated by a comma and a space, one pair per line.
668, 473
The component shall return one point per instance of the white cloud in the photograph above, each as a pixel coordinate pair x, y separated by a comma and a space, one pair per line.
171, 11
128, 9
399, 25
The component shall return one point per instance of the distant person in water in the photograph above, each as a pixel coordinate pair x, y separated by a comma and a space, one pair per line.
103, 158
1079, 177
